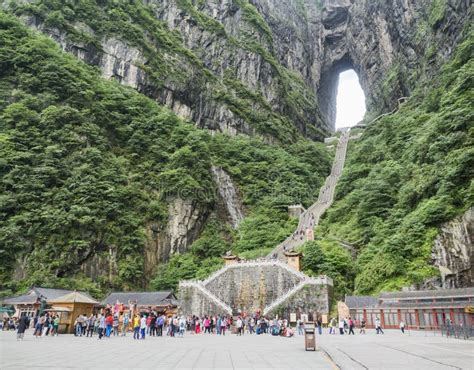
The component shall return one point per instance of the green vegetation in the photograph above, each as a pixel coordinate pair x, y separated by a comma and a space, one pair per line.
436, 12
323, 257
173, 65
408, 173
86, 163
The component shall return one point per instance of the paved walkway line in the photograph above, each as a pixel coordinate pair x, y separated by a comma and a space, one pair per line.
423, 357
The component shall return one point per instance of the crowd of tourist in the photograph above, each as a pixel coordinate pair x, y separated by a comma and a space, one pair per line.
110, 323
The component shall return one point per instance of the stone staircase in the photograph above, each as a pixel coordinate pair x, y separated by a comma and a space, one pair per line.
198, 285
310, 218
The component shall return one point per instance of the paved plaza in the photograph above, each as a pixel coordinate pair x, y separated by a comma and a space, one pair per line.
390, 351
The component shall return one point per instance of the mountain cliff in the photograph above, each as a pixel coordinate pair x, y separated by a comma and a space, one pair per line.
259, 76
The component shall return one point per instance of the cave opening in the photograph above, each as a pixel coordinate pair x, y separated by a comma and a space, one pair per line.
341, 96
350, 100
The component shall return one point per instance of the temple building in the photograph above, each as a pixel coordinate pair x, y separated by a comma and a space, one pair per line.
423, 309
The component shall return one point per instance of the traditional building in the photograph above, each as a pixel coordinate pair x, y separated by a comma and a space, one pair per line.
38, 299
69, 306
424, 309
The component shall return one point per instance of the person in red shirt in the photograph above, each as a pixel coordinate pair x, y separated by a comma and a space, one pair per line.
109, 322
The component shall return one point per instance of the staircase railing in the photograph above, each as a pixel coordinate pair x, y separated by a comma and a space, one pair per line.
207, 293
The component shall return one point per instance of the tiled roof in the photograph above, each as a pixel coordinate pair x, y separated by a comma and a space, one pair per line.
354, 301
141, 298
419, 294
73, 297
36, 292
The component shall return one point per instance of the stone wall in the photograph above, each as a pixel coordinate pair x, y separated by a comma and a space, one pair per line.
194, 302
249, 287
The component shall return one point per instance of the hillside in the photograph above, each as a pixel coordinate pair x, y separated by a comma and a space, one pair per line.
87, 165
140, 140
407, 174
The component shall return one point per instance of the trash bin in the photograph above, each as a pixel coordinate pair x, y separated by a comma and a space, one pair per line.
310, 336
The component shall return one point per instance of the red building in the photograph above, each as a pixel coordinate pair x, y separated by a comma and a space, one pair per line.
423, 309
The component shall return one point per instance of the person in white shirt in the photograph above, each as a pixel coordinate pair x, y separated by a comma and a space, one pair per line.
402, 326
143, 326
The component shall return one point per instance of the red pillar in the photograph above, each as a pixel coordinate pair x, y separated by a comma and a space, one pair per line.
435, 319
382, 319
417, 318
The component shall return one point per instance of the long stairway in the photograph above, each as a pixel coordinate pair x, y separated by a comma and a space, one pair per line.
309, 219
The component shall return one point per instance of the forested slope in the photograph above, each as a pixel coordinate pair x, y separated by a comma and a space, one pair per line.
408, 173
85, 163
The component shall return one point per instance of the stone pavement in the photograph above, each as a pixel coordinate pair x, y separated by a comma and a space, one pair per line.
390, 351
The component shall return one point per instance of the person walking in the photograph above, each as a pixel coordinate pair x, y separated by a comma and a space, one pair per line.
402, 327
351, 326
90, 325
55, 325
320, 325
143, 326
23, 324
102, 326
238, 325
125, 324
115, 325
362, 326
223, 325
378, 326
136, 327
182, 326
160, 323
341, 326
110, 323
332, 326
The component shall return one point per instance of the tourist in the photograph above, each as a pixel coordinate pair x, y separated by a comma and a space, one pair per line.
84, 324
251, 325
378, 326
46, 328
143, 326
319, 323
136, 327
78, 326
109, 322
23, 324
351, 326
362, 326
125, 324
115, 325
198, 326
90, 325
153, 325
341, 326
402, 326
182, 326
207, 325
102, 326
148, 324
238, 325
160, 323
299, 327
223, 325
332, 326
55, 326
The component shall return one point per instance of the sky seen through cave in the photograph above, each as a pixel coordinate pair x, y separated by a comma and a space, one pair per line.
350, 100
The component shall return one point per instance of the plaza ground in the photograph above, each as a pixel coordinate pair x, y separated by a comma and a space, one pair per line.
393, 350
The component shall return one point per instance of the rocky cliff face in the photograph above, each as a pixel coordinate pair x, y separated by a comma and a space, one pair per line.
283, 51
260, 67
453, 252
228, 195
